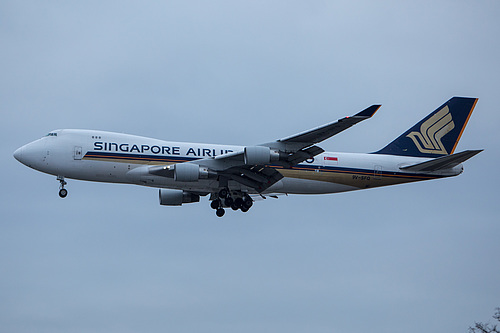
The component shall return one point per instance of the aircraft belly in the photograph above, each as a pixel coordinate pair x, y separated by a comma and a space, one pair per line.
307, 186
95, 171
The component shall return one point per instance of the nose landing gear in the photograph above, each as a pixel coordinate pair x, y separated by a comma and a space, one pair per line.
62, 191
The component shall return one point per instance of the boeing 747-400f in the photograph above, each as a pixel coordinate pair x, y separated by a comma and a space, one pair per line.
233, 176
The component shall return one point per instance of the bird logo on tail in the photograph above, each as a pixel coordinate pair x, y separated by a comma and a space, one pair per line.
428, 140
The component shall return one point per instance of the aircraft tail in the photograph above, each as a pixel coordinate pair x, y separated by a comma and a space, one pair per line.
437, 134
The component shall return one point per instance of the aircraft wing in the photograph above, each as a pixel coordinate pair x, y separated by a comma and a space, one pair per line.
318, 134
259, 177
283, 159
255, 166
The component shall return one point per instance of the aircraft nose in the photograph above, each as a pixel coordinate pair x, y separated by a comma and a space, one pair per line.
31, 154
18, 154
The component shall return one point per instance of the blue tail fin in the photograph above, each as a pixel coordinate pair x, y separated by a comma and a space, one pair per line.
437, 134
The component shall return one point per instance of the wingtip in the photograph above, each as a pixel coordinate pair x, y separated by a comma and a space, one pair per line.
369, 111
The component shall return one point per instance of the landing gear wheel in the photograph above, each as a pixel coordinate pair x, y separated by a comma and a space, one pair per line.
63, 193
223, 193
247, 202
238, 202
244, 209
215, 204
228, 201
220, 212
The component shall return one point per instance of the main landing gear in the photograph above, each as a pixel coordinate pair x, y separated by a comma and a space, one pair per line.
224, 199
62, 191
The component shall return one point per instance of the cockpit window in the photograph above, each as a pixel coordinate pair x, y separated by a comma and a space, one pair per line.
52, 134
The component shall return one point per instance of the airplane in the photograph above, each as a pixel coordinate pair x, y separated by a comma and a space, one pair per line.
235, 176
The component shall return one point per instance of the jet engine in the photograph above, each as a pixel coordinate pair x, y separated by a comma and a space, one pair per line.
177, 197
259, 155
189, 172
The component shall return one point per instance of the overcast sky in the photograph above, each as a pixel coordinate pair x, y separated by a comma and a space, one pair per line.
414, 258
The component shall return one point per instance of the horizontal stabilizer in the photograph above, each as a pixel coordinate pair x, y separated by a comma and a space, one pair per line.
440, 163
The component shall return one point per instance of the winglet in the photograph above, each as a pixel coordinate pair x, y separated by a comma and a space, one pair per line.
368, 112
360, 116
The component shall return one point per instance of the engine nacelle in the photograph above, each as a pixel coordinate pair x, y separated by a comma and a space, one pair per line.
260, 155
189, 172
177, 197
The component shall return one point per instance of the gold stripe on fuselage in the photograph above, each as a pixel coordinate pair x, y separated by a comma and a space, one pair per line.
350, 178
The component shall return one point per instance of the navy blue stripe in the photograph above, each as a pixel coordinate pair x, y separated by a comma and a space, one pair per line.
138, 157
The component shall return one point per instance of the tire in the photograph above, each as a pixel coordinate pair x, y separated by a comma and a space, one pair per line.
247, 203
220, 212
228, 201
63, 193
238, 202
223, 193
215, 204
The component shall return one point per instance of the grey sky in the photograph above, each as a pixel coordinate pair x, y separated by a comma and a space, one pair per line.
109, 258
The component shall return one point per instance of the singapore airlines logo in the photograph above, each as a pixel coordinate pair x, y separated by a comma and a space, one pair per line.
428, 140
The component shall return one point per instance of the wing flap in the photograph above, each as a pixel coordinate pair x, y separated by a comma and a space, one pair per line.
259, 178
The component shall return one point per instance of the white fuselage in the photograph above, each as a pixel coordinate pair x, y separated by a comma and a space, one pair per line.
121, 158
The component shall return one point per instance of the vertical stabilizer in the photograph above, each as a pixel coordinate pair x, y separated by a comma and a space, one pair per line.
437, 134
